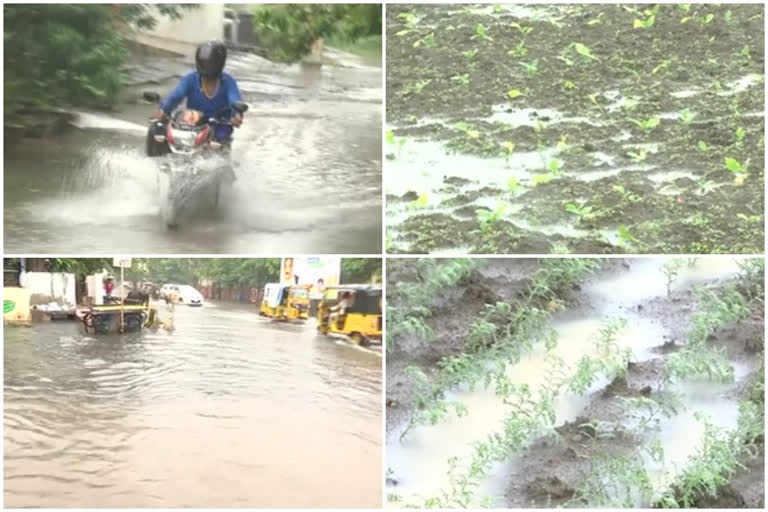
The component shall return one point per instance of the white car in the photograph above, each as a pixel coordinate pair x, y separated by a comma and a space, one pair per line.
184, 294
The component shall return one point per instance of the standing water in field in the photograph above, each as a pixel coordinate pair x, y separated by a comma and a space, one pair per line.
418, 463
229, 410
574, 128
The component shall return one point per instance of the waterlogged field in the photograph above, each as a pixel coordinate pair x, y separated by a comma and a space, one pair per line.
575, 383
575, 128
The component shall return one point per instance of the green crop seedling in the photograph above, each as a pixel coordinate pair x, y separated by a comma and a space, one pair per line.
647, 124
481, 33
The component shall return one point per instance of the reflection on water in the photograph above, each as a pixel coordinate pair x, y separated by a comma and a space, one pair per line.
307, 159
419, 462
228, 411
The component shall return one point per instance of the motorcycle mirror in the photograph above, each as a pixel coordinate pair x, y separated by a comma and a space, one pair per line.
240, 107
151, 96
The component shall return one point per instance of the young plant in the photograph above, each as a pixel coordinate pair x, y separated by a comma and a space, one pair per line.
740, 170
530, 67
417, 87
481, 33
584, 51
507, 149
488, 219
427, 41
626, 194
671, 269
646, 23
638, 156
686, 116
519, 50
580, 209
462, 79
467, 129
524, 29
647, 124
393, 140
470, 54
739, 134
555, 167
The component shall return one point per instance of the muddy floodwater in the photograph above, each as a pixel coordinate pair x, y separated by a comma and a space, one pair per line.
575, 128
307, 160
553, 466
230, 410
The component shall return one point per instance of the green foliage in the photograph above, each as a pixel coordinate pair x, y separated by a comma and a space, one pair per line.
580, 209
584, 51
60, 54
287, 30
481, 33
488, 219
360, 270
80, 266
735, 166
717, 459
611, 360
671, 269
647, 124
614, 482
411, 302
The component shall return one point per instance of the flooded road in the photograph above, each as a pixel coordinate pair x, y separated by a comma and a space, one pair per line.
230, 410
307, 159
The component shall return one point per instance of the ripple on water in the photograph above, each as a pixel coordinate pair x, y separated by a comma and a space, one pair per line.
227, 400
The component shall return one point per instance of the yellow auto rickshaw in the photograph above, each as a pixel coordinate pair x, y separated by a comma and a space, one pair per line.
285, 302
353, 311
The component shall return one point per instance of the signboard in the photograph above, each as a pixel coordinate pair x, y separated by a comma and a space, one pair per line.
316, 271
16, 309
121, 262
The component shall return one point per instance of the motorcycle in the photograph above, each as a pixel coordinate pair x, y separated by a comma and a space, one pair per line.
197, 163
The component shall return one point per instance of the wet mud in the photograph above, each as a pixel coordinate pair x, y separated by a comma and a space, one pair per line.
593, 427
523, 110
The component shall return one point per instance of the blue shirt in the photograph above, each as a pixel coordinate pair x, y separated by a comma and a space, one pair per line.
219, 105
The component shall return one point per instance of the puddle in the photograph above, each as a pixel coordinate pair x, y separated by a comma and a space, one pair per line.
526, 12
422, 165
669, 176
419, 462
516, 117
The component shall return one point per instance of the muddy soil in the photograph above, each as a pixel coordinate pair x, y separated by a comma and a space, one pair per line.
452, 313
552, 468
569, 87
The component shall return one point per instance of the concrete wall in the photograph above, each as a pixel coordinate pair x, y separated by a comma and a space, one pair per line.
183, 35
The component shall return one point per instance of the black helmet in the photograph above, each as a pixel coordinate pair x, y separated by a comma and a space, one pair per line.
210, 58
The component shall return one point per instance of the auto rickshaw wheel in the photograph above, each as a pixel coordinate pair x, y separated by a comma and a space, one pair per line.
359, 339
322, 328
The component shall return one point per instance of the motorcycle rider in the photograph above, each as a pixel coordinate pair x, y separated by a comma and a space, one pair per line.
208, 89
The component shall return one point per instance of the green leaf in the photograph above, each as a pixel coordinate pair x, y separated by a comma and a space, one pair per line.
390, 137
733, 165
540, 179
422, 201
473, 134
8, 306
513, 185
514, 93
584, 51
702, 146
653, 122
462, 126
